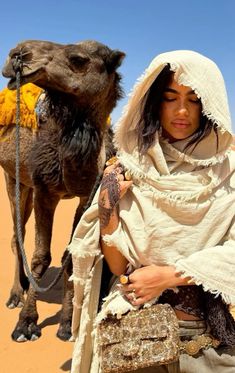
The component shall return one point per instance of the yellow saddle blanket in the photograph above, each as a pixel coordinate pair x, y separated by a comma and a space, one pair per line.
29, 94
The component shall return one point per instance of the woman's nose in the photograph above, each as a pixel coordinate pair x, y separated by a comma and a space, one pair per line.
182, 109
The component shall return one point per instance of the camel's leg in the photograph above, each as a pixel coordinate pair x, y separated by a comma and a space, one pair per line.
64, 331
20, 284
44, 207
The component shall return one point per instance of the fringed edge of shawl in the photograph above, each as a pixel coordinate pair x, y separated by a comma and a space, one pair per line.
86, 321
78, 349
123, 307
79, 252
218, 158
199, 279
118, 312
77, 355
139, 177
77, 280
97, 358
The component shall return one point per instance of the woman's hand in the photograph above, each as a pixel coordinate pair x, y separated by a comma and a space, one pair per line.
149, 282
113, 188
117, 172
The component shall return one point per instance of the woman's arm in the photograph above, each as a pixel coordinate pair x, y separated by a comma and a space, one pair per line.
116, 261
113, 187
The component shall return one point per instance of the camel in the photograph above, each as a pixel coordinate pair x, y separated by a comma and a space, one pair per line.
60, 160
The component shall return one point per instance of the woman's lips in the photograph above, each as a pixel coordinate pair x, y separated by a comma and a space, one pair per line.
180, 123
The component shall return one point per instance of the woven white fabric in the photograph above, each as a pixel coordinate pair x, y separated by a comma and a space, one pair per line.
180, 209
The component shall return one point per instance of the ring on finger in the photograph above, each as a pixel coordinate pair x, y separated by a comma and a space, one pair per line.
124, 279
111, 161
133, 296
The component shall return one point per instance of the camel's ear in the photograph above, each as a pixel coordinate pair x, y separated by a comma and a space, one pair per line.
114, 60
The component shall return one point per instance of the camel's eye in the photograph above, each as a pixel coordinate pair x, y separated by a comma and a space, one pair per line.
78, 61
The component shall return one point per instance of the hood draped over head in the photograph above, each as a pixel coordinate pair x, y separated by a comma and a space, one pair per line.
190, 69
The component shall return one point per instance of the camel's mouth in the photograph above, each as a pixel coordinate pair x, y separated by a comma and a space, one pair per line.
11, 84
23, 80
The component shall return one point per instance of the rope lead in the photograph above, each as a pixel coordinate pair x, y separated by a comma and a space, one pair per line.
18, 65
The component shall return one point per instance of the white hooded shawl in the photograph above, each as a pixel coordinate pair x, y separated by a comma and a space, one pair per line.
180, 209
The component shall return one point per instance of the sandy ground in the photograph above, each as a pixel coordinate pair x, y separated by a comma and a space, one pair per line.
48, 354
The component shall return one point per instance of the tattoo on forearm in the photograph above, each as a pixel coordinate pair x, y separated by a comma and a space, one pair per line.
107, 204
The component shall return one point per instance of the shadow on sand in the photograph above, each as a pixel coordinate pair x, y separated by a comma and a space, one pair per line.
52, 296
66, 366
52, 320
55, 294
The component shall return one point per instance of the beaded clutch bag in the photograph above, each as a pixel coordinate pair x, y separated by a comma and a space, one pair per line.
140, 339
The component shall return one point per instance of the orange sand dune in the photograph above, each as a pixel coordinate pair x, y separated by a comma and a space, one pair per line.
48, 354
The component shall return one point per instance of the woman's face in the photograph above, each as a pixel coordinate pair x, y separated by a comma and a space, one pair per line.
180, 112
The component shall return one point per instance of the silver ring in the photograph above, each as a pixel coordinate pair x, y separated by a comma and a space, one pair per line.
133, 296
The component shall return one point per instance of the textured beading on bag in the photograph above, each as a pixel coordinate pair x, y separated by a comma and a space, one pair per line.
140, 339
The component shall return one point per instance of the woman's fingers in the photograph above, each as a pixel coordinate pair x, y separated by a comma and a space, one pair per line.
132, 289
119, 176
109, 169
111, 161
124, 186
136, 299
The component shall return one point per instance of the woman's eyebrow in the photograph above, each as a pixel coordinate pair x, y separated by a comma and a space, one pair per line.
171, 90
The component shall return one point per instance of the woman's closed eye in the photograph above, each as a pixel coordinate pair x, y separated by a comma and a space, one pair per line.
169, 98
195, 100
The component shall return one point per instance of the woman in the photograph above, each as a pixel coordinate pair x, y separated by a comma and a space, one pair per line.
171, 227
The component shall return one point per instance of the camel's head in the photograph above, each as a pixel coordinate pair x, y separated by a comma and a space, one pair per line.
86, 70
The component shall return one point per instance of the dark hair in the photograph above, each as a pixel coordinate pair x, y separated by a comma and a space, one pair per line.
149, 122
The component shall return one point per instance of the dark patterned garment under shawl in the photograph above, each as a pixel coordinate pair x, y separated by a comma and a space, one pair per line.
194, 301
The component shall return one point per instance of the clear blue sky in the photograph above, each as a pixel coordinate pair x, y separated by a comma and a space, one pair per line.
140, 28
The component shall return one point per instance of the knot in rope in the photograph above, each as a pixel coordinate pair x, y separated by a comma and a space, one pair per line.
17, 63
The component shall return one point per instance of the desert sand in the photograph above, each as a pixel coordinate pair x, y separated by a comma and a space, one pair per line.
48, 354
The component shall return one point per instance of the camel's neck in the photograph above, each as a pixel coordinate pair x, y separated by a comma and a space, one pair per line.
80, 133
66, 111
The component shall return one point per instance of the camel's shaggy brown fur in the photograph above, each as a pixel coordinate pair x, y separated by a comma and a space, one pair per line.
63, 158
